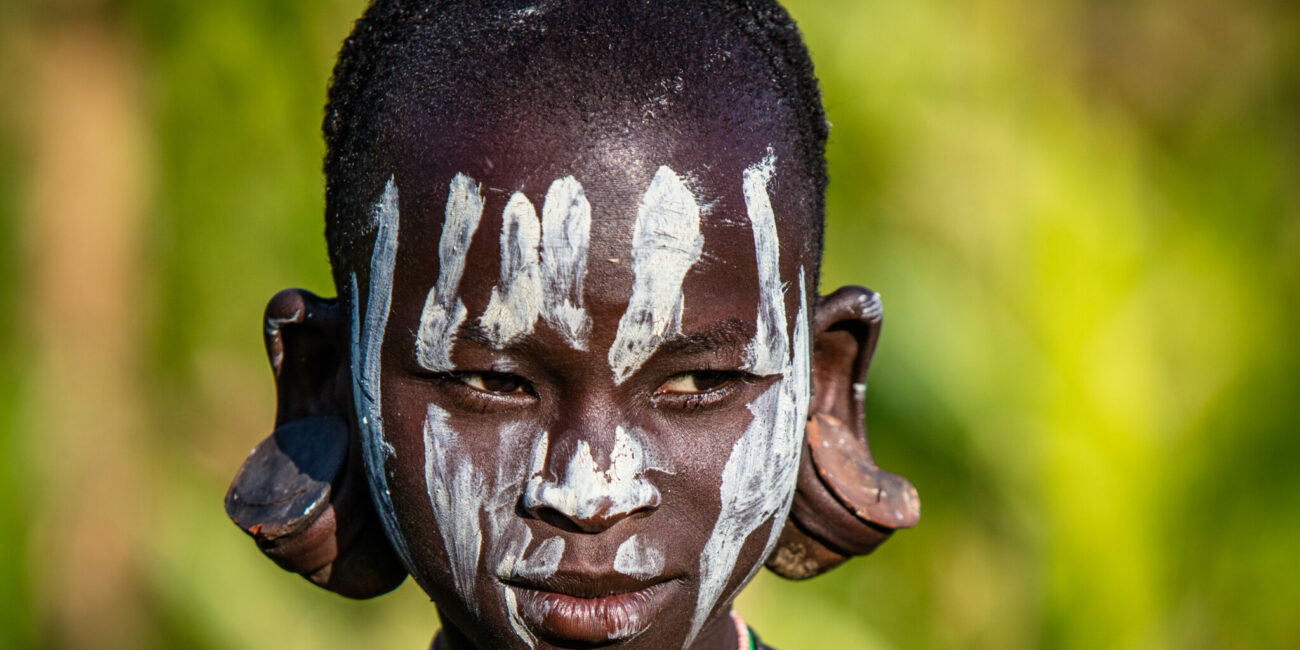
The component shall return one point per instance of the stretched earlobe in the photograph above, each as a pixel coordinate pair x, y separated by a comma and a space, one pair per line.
844, 504
302, 493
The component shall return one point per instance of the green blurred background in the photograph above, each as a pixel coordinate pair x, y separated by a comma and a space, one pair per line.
1084, 218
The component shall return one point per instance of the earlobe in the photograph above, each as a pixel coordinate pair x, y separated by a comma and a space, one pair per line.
844, 504
302, 493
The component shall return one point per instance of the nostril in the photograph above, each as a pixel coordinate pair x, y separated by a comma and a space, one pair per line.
579, 495
599, 515
557, 519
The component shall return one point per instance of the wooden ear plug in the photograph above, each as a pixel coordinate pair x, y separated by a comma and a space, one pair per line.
284, 486
844, 504
297, 498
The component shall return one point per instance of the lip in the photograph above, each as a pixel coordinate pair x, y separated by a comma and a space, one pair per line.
592, 609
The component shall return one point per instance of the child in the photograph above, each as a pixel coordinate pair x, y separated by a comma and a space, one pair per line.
578, 382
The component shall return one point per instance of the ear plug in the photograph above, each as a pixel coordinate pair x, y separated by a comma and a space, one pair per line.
297, 497
284, 486
844, 504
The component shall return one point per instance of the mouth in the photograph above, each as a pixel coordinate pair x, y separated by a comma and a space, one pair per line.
590, 609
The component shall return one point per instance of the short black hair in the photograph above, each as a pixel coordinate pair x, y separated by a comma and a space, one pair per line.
404, 53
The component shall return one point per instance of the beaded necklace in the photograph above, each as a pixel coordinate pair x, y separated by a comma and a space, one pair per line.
744, 640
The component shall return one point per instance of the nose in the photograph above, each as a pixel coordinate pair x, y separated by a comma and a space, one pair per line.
575, 491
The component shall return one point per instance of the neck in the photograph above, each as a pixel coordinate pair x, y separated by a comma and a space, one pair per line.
721, 633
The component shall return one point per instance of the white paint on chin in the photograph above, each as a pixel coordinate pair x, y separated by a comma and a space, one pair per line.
587, 492
566, 233
517, 302
666, 243
443, 311
637, 559
367, 342
516, 620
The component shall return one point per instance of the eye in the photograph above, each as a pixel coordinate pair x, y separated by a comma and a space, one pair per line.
701, 389
498, 384
694, 383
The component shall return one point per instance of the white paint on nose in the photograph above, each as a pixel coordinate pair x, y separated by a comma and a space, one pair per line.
516, 303
637, 559
443, 310
586, 492
666, 243
566, 233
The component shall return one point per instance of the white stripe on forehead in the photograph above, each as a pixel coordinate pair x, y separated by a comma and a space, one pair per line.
512, 312
768, 351
443, 310
666, 243
367, 341
566, 232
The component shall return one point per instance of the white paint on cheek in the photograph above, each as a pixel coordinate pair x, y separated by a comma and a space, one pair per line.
768, 352
443, 310
516, 303
758, 480
635, 558
367, 342
587, 492
544, 561
510, 537
666, 243
517, 621
456, 495
566, 233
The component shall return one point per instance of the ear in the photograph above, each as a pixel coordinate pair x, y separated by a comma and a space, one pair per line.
844, 504
302, 492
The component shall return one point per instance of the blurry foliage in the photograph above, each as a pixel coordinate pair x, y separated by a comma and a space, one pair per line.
1083, 217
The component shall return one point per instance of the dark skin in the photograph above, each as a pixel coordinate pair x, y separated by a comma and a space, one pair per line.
691, 397
539, 500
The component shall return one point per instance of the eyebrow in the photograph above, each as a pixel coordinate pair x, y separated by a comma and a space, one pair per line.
473, 332
725, 334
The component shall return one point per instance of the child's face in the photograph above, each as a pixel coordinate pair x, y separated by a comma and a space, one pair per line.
582, 385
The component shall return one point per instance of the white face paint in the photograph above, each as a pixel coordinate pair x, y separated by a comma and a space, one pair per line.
758, 480
443, 310
542, 273
586, 492
517, 302
456, 491
639, 560
666, 243
767, 352
566, 231
367, 340
542, 267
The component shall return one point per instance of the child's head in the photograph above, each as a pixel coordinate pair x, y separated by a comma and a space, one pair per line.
577, 247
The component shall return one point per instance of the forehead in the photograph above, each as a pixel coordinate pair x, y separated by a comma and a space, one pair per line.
614, 176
